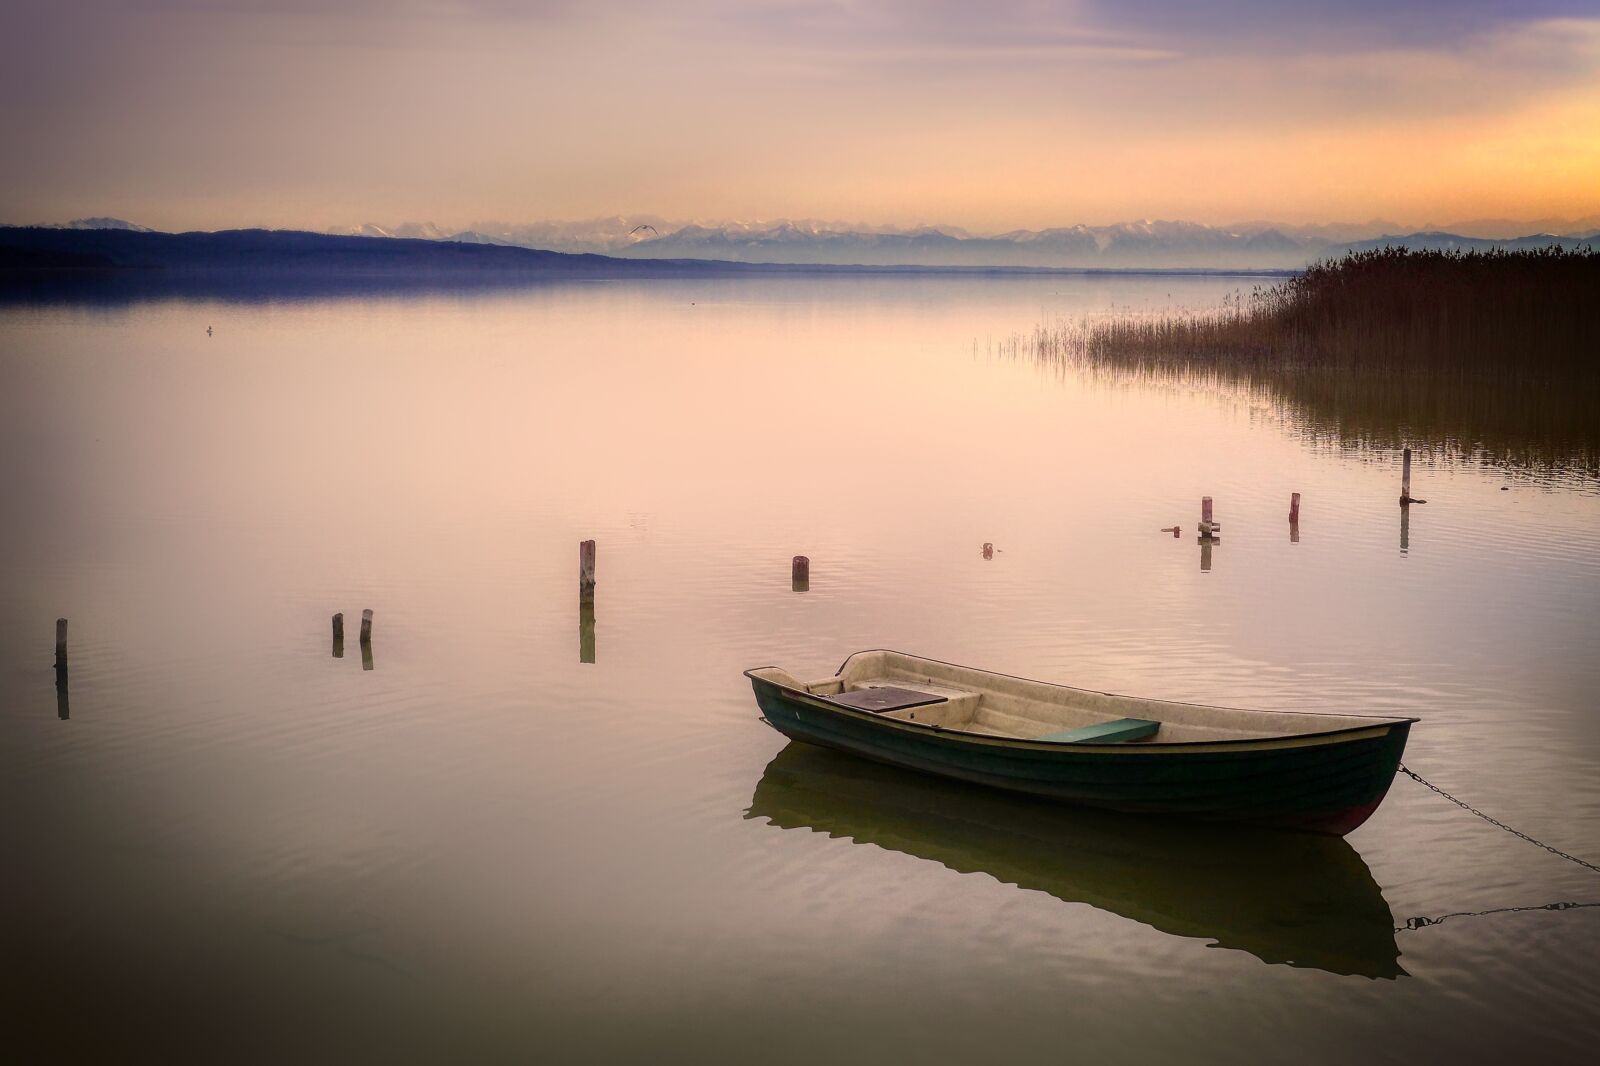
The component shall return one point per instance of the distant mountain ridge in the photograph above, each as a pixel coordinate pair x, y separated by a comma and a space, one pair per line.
421, 251
1159, 244
264, 253
95, 223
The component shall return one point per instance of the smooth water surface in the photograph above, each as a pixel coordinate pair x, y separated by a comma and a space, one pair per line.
225, 843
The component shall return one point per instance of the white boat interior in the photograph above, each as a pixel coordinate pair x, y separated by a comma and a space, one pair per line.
908, 687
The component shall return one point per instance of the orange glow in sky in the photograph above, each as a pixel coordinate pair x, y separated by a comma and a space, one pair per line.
1022, 114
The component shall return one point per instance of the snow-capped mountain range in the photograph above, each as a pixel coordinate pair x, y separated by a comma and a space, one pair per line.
96, 223
1143, 244
1151, 244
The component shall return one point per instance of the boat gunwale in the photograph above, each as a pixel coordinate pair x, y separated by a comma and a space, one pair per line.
1034, 744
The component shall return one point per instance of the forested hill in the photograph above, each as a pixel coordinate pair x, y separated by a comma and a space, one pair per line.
28, 249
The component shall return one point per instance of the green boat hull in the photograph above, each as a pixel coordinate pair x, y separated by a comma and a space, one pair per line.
1330, 785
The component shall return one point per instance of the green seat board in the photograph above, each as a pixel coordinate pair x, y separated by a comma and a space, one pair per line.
1105, 732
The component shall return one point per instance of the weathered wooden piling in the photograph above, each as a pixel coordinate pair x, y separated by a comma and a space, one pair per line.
1294, 507
586, 633
1405, 477
62, 710
1208, 527
800, 573
366, 626
338, 635
586, 571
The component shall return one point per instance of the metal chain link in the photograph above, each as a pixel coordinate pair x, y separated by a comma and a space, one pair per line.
1495, 821
1423, 921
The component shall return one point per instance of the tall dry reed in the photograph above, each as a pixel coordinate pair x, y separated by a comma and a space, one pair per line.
1492, 352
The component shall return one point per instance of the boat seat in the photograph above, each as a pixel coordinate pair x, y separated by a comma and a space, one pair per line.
1116, 732
881, 698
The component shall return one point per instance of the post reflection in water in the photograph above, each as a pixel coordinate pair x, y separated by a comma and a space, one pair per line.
1205, 555
1292, 898
586, 632
366, 655
63, 711
1405, 529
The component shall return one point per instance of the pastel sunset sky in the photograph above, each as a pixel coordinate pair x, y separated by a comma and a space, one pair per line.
1007, 113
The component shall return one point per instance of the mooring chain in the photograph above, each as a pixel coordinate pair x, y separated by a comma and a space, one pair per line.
1495, 821
1422, 921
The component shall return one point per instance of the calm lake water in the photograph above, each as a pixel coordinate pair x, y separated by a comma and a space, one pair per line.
225, 843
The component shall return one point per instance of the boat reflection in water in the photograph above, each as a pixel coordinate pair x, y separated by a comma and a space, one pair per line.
1295, 898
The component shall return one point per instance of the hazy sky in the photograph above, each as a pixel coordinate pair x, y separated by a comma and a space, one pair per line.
991, 114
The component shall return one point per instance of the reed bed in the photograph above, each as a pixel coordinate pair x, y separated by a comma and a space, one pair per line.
1393, 309
1494, 354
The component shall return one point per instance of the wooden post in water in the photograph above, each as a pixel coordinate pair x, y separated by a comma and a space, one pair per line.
366, 626
1294, 518
800, 574
338, 635
1405, 480
63, 712
1208, 533
586, 572
586, 632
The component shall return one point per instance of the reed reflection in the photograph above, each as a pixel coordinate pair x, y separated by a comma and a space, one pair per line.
1484, 353
1289, 898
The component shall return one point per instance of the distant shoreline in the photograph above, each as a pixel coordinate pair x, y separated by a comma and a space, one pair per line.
60, 257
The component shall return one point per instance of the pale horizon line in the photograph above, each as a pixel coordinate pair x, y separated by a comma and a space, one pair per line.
1461, 227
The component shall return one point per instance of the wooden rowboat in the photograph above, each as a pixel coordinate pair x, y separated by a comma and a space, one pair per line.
1323, 773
